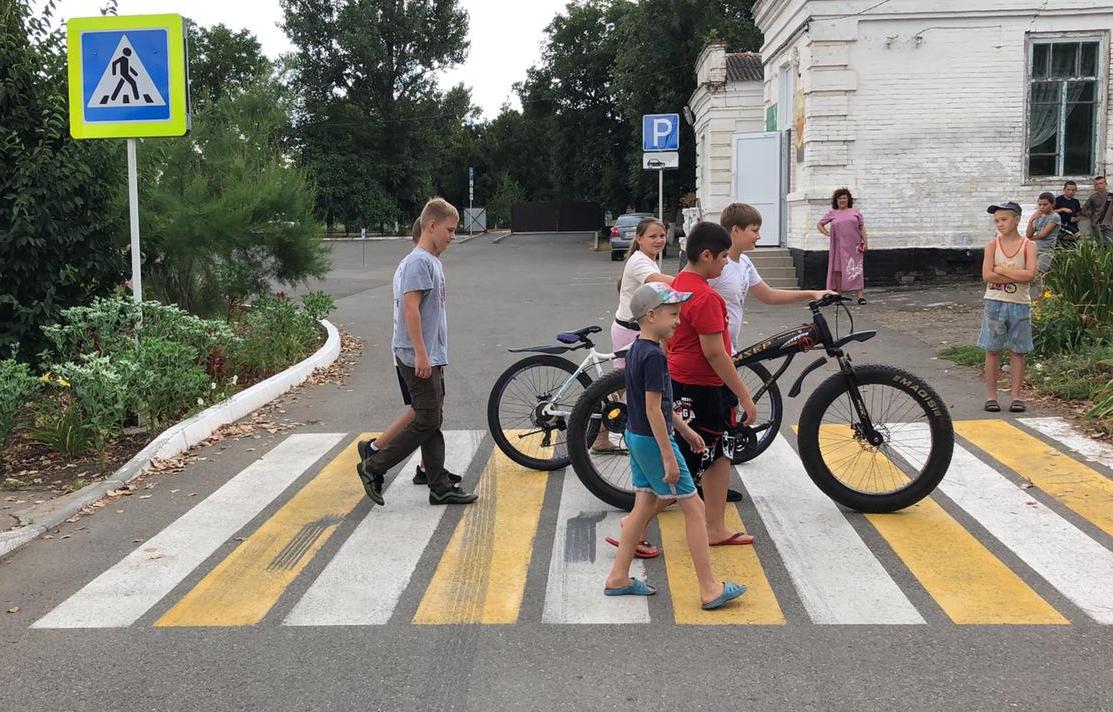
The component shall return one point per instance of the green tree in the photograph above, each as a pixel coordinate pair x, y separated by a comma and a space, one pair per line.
223, 62
654, 72
508, 193
224, 213
370, 111
61, 227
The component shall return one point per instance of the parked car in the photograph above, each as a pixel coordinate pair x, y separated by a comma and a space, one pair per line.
622, 234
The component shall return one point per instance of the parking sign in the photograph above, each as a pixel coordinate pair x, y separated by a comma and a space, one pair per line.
661, 132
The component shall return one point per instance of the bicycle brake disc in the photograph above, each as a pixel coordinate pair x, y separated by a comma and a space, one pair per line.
745, 445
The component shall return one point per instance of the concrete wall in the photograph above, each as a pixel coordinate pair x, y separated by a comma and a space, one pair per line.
920, 108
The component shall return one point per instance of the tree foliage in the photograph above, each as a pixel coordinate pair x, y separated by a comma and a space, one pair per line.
223, 62
61, 210
370, 121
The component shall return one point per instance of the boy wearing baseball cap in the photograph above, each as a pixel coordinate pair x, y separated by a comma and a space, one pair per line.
1008, 266
659, 472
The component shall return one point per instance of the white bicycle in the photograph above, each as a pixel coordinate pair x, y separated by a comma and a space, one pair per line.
531, 401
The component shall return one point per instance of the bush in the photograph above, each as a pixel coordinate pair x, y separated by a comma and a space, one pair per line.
275, 332
167, 381
1077, 307
102, 393
17, 385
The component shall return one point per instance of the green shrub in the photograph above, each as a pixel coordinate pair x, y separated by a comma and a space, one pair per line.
112, 326
101, 389
17, 385
275, 333
59, 425
318, 305
1077, 308
167, 381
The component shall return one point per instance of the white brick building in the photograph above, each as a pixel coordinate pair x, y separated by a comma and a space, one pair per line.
928, 111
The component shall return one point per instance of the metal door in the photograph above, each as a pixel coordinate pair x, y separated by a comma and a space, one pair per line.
757, 179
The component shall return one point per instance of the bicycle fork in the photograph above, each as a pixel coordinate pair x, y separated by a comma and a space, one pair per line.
864, 427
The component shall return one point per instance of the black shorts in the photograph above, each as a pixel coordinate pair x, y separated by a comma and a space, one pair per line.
406, 391
709, 410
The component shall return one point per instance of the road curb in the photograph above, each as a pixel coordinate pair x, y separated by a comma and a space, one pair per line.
174, 441
500, 238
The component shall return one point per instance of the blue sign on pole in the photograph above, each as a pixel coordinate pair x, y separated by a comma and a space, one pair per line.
471, 173
661, 132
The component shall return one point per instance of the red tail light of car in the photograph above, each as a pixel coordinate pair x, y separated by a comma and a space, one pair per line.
615, 232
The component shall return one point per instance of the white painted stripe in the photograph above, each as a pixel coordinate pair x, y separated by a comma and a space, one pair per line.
365, 580
581, 561
839, 580
123, 593
1070, 560
1066, 434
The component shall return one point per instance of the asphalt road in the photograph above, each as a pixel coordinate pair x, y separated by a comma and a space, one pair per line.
301, 596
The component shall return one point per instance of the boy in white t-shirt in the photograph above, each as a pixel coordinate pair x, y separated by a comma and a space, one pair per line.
740, 277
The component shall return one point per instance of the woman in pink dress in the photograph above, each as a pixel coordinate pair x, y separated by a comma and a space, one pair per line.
847, 229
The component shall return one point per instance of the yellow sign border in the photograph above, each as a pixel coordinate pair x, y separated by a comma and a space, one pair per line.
177, 124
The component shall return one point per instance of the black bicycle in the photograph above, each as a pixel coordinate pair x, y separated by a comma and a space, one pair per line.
874, 438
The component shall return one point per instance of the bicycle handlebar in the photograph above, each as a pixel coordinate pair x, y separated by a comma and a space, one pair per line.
827, 301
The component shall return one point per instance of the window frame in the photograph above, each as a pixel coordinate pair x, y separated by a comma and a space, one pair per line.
785, 92
1032, 40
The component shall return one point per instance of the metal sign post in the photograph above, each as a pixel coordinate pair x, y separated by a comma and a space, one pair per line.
471, 192
127, 79
133, 209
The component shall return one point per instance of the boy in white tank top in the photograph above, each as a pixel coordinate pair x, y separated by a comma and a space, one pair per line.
1008, 267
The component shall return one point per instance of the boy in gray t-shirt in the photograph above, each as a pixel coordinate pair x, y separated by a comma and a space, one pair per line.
420, 346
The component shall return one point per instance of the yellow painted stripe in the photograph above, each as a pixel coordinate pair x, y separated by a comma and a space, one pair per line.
1083, 489
249, 581
481, 577
730, 563
968, 582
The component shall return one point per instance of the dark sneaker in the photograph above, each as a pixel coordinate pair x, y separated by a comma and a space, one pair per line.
732, 495
363, 447
372, 484
453, 496
421, 479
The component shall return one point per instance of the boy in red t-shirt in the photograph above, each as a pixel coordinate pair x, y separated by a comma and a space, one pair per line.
706, 385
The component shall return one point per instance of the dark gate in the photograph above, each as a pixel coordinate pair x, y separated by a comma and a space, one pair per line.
556, 216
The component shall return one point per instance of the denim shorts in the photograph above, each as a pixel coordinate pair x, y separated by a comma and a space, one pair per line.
649, 470
1006, 325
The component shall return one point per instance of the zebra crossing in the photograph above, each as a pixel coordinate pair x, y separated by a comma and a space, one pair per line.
1032, 488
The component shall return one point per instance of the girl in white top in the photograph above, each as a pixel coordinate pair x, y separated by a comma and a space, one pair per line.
641, 267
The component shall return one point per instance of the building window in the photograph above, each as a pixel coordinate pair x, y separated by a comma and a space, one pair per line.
784, 97
1064, 103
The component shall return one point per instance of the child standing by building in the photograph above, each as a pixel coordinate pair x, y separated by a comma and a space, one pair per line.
1043, 229
420, 345
659, 470
1008, 267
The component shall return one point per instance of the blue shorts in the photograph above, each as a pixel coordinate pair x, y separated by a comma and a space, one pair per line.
649, 470
1006, 325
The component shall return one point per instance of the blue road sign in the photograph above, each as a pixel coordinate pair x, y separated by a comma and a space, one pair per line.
661, 132
471, 173
126, 75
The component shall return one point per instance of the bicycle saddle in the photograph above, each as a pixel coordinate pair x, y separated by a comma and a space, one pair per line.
575, 337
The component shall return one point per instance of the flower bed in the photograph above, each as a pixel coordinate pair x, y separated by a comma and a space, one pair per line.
117, 372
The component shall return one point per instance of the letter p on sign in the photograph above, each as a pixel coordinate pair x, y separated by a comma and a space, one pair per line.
661, 132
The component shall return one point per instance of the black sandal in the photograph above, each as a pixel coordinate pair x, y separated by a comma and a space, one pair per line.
861, 300
992, 406
1017, 406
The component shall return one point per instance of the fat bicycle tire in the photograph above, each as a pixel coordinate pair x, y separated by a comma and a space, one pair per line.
771, 425
559, 457
582, 428
903, 456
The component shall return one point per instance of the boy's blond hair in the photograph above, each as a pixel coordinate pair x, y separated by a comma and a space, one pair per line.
741, 214
415, 232
437, 209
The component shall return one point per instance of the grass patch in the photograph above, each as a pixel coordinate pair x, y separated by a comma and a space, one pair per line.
964, 355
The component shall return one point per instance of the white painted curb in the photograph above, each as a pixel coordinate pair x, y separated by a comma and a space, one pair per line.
174, 441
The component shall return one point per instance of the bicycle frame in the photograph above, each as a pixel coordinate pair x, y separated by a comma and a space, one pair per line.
594, 359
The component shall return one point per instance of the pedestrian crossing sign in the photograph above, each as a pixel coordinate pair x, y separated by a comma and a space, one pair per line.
127, 76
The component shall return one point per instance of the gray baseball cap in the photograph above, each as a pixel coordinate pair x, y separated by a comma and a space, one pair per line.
652, 295
1005, 205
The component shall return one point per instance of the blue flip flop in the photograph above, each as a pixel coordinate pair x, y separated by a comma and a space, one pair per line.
730, 592
636, 587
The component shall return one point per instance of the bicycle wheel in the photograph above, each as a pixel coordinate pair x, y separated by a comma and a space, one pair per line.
770, 411
915, 439
516, 410
605, 475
